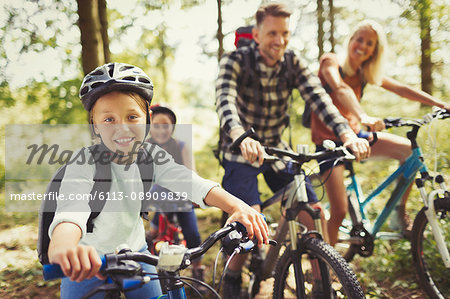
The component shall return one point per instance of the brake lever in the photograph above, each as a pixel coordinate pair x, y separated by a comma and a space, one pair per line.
348, 156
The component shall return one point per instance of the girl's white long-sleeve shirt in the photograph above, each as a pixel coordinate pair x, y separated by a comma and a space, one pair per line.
119, 221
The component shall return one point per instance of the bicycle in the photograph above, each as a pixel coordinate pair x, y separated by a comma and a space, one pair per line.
308, 267
430, 233
125, 274
169, 230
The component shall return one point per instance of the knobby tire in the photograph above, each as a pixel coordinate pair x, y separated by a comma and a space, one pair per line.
433, 277
344, 281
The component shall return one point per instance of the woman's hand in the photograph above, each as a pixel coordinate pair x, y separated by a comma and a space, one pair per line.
374, 124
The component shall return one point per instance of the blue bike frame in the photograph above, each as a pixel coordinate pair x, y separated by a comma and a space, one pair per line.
404, 175
179, 293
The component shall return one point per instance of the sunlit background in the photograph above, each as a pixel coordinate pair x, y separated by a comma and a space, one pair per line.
190, 34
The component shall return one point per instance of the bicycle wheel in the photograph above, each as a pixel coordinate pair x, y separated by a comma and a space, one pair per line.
331, 278
433, 276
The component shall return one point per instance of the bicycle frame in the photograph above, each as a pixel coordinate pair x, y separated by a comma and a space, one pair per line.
404, 176
296, 200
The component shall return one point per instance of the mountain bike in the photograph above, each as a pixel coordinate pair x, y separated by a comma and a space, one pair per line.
430, 234
125, 273
308, 267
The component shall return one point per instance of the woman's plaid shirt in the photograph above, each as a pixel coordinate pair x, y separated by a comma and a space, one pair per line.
237, 106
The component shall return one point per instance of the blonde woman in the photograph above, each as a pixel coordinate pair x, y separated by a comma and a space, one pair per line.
345, 83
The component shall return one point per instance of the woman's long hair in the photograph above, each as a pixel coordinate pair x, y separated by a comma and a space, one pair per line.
372, 68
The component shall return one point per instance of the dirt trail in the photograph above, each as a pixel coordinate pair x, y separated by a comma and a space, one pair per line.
18, 247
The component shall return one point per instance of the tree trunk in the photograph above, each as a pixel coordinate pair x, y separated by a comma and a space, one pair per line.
425, 47
320, 21
91, 38
219, 34
331, 19
102, 13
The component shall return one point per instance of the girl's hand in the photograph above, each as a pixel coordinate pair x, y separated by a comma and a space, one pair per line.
241, 212
78, 262
253, 221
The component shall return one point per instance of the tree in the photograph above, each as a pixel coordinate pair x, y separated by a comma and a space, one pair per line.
94, 38
219, 34
425, 13
103, 15
331, 20
424, 9
320, 32
325, 15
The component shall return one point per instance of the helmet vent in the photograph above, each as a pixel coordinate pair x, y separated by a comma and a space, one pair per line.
143, 80
96, 84
111, 70
84, 90
125, 67
129, 79
97, 73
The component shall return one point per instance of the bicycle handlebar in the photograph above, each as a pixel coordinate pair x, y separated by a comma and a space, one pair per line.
400, 122
53, 271
301, 158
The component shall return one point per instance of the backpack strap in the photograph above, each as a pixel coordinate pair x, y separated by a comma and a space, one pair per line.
102, 184
145, 165
290, 79
249, 76
46, 215
289, 58
341, 72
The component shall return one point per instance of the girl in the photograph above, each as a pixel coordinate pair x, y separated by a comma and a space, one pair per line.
363, 64
163, 121
117, 97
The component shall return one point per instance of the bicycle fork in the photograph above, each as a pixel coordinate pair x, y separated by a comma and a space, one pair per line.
428, 200
294, 206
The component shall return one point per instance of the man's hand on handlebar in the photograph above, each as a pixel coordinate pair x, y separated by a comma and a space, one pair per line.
359, 147
251, 149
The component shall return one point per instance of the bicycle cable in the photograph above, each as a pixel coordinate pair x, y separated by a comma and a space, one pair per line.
184, 278
322, 182
432, 139
215, 267
236, 251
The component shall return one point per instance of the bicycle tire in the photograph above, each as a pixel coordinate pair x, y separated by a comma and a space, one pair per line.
344, 281
432, 275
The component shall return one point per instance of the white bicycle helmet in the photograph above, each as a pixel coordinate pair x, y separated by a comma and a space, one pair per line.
111, 77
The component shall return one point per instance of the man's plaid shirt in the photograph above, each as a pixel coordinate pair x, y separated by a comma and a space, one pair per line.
237, 107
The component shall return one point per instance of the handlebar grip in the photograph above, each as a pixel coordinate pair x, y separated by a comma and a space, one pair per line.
53, 271
392, 122
241, 228
234, 147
